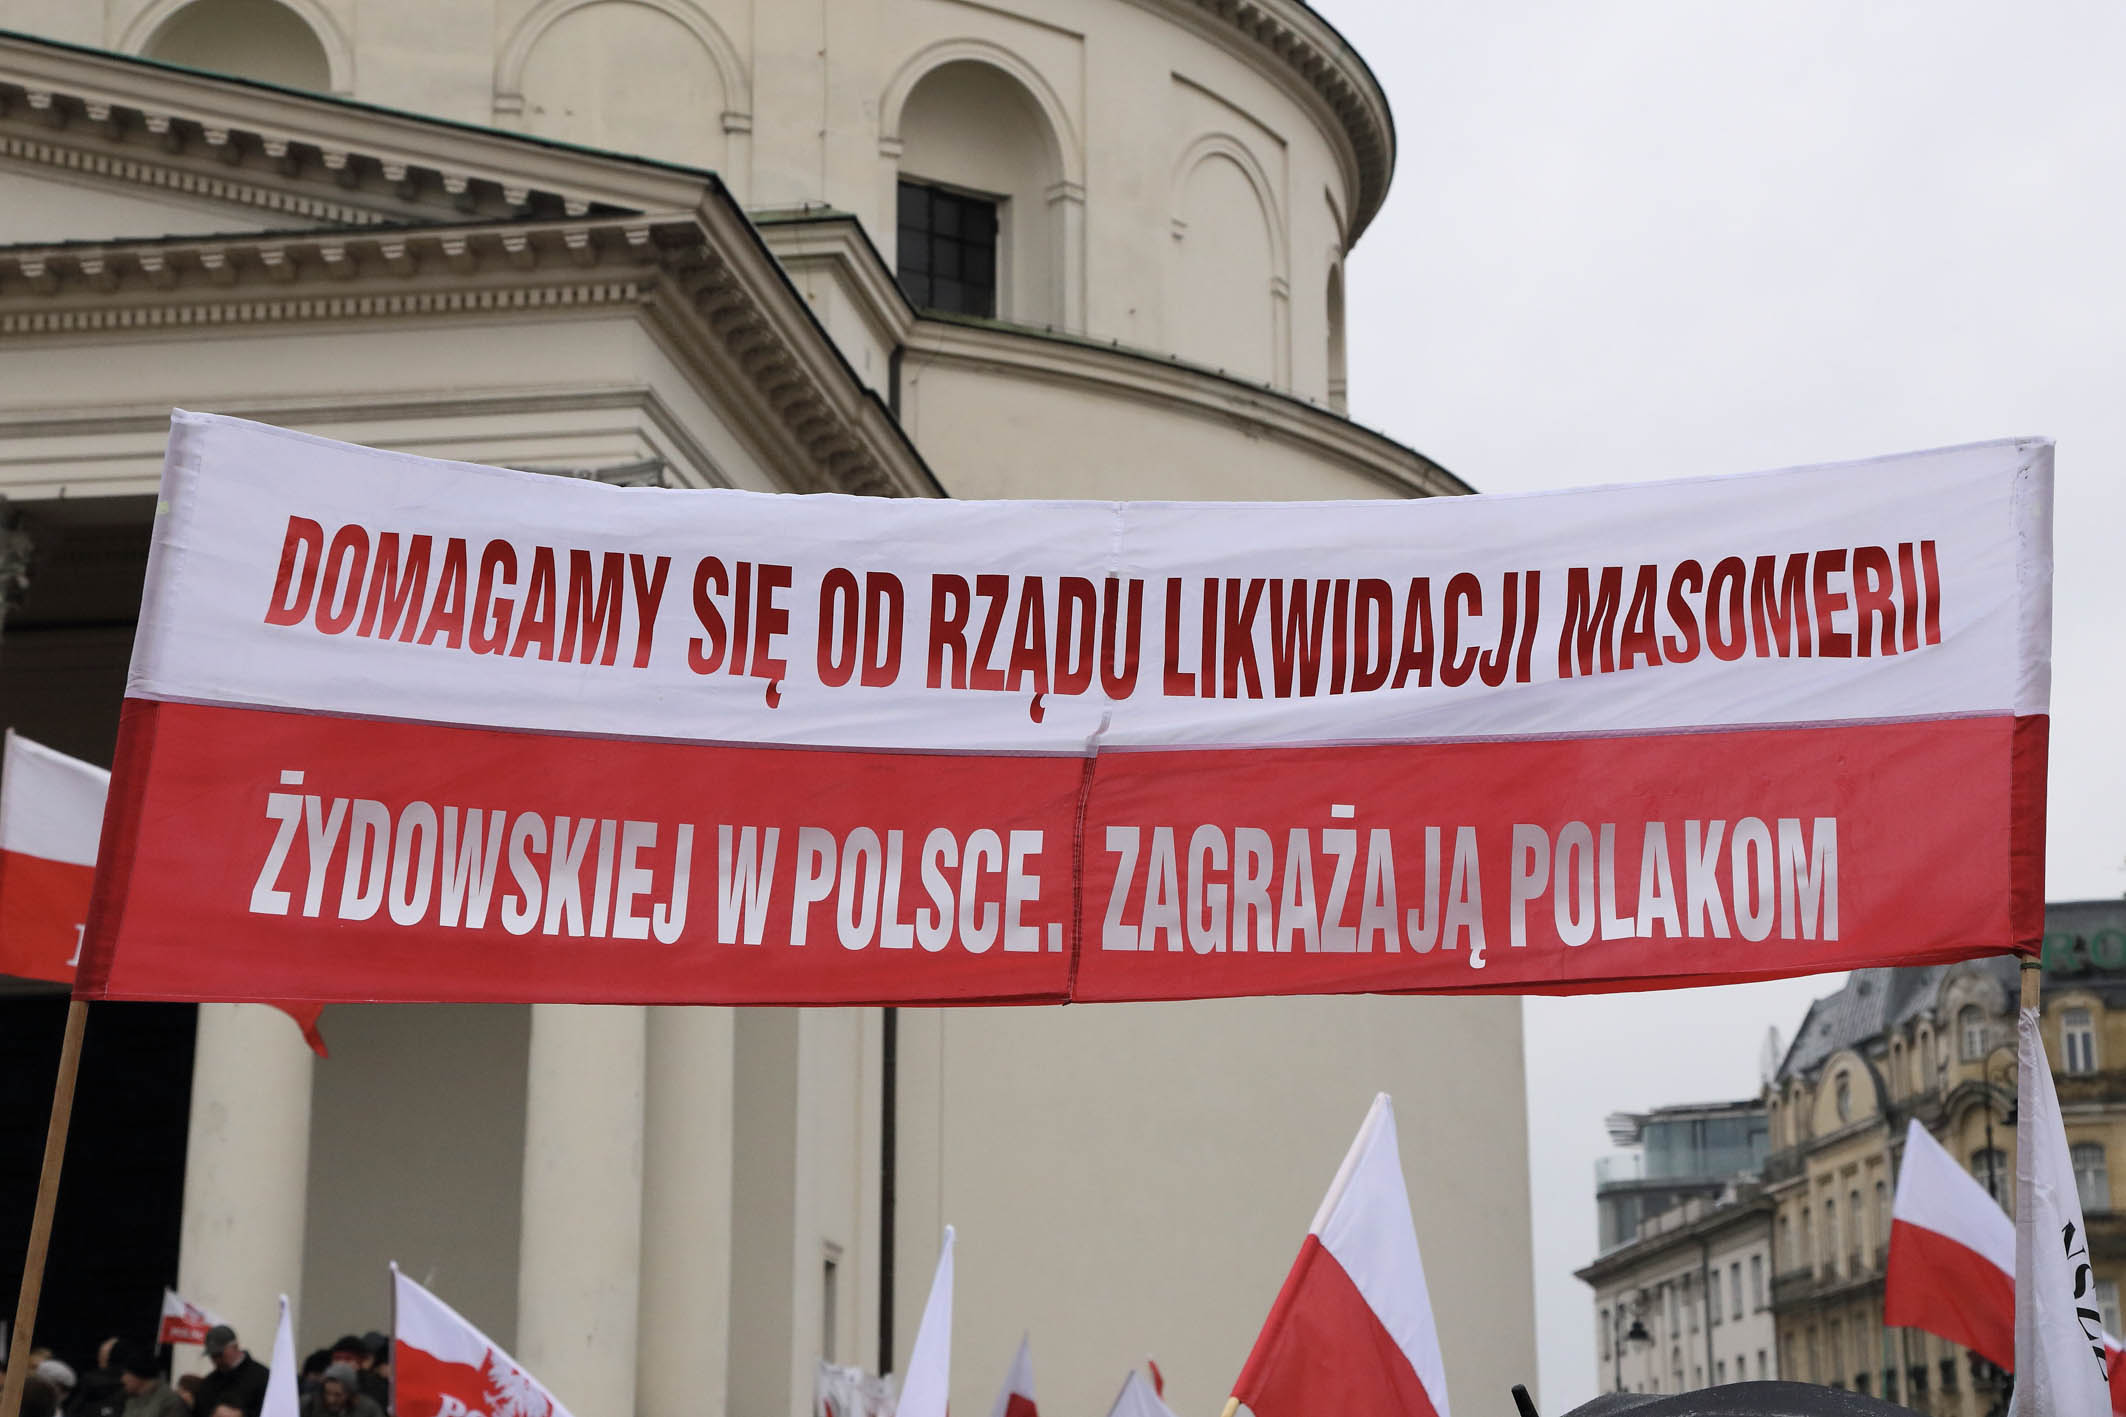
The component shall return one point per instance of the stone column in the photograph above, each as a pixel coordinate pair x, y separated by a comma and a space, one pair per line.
686, 1214
247, 1168
580, 1258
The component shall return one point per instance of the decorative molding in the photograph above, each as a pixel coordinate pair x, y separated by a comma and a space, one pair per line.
731, 71
1062, 132
339, 53
205, 186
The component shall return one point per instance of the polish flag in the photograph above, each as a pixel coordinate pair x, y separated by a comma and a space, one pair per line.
928, 1386
1352, 1330
182, 1320
283, 1391
51, 817
2061, 1366
441, 1366
1137, 1399
1952, 1261
1952, 1254
1016, 1400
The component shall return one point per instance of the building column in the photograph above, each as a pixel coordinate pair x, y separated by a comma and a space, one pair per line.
686, 1214
580, 1257
247, 1168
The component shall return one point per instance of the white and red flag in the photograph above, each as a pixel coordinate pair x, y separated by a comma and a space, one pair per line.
441, 1366
398, 729
182, 1320
1952, 1261
1352, 1331
926, 1388
2061, 1367
283, 1386
1952, 1254
1016, 1399
1138, 1398
51, 814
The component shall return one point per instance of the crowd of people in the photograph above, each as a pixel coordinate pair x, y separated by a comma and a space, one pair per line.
352, 1378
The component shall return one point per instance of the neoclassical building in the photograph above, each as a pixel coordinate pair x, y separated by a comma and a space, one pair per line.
1086, 248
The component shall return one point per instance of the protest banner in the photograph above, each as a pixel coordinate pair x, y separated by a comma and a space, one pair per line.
412, 730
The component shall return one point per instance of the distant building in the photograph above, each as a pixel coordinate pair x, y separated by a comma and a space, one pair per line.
1937, 1044
1810, 1196
1681, 1287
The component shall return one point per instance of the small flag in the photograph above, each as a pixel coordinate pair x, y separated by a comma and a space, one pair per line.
1952, 1254
183, 1321
1016, 1400
441, 1366
1352, 1330
283, 1392
51, 820
1137, 1399
2061, 1369
928, 1385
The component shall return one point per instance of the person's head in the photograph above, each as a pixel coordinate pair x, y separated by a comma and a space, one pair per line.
223, 1351
337, 1391
379, 1346
188, 1389
39, 1398
226, 1409
314, 1366
60, 1375
137, 1369
351, 1351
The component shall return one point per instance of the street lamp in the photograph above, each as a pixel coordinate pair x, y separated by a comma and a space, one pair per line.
1636, 1335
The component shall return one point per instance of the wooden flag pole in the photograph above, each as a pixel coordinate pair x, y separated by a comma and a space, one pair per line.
1232, 1405
2032, 969
18, 1353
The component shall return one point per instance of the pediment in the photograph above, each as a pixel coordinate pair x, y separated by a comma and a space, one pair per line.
46, 207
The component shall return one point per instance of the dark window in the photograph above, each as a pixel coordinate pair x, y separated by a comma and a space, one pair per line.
948, 250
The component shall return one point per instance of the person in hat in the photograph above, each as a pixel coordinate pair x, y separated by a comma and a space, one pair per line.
354, 1351
59, 1375
146, 1394
100, 1392
340, 1395
237, 1378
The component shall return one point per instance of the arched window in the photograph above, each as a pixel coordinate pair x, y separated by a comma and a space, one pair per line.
980, 222
2091, 1178
2078, 1040
1971, 1028
1339, 382
251, 39
1844, 1087
625, 76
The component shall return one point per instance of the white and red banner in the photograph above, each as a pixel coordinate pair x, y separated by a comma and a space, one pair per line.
182, 1320
1016, 1397
51, 813
403, 729
1352, 1330
441, 1366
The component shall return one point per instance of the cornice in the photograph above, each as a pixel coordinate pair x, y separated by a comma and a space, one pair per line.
1170, 383
305, 154
1323, 64
699, 278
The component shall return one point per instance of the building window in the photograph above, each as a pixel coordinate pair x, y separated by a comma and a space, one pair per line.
1756, 1283
2091, 1178
1971, 1028
1860, 1383
1764, 1369
2078, 1040
1689, 1302
2107, 1303
1948, 1375
1675, 1313
1882, 1217
947, 247
1830, 1236
1991, 1169
1897, 1067
1720, 1371
1734, 1284
1806, 1259
1845, 1098
1605, 1333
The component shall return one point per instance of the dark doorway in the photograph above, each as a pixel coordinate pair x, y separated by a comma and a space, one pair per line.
121, 1200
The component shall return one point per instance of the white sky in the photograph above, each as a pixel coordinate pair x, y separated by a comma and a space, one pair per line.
1632, 239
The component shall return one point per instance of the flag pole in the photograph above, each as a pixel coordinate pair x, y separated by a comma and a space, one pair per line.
2032, 969
18, 1355
1232, 1406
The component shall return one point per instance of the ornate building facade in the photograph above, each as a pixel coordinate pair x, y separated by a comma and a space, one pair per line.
1081, 248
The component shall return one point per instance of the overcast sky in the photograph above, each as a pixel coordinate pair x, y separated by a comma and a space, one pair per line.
1633, 240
